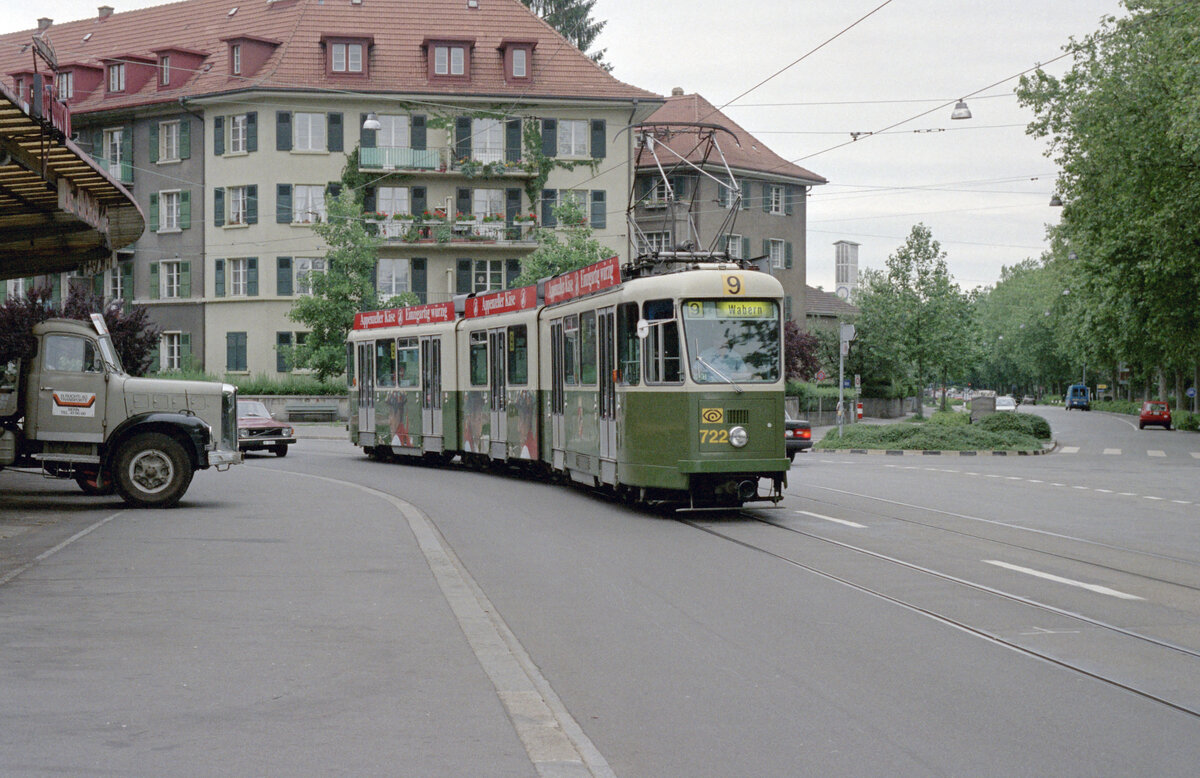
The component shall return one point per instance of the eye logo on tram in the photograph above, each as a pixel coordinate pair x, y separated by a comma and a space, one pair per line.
712, 415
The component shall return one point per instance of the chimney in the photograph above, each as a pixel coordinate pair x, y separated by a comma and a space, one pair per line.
44, 23
677, 91
105, 12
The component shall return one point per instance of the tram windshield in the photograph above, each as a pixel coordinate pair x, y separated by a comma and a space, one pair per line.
732, 341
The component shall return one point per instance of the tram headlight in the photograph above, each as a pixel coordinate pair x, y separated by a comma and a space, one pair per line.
738, 437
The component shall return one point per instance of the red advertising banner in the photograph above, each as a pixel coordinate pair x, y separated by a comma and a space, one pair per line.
586, 280
399, 317
506, 301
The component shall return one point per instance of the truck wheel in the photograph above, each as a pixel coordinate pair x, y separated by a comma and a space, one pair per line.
280, 451
88, 484
152, 471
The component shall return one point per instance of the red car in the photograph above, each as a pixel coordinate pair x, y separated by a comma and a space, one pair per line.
1155, 412
258, 430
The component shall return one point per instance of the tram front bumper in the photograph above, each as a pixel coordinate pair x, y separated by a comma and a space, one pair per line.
759, 466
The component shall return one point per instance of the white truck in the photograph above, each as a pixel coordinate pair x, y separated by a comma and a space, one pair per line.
72, 410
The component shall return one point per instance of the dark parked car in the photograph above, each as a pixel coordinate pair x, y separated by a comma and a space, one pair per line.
1154, 412
1029, 399
797, 434
259, 430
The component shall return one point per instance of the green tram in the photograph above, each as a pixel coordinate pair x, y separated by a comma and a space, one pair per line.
663, 387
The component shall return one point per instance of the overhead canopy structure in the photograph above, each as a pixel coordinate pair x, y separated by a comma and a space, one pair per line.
59, 211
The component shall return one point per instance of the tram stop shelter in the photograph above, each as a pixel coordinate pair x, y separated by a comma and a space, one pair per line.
59, 211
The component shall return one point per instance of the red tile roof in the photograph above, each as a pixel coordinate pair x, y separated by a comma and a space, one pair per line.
748, 153
396, 60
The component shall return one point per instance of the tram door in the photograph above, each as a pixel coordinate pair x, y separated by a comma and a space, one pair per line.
606, 332
557, 424
366, 393
431, 392
497, 390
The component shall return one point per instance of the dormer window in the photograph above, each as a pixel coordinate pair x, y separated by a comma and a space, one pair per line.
346, 55
520, 64
66, 85
449, 59
518, 59
164, 70
235, 59
116, 77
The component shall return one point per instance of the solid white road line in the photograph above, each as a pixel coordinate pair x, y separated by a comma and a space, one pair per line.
854, 524
1059, 579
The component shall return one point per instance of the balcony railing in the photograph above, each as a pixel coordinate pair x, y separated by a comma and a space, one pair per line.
456, 231
486, 163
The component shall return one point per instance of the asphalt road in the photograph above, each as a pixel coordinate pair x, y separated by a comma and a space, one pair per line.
895, 616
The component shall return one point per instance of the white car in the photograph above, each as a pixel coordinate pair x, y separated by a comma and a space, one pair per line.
1006, 403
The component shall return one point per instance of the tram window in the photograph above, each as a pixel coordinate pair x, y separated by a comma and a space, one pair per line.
587, 347
571, 350
479, 361
662, 344
628, 346
407, 361
385, 363
350, 365
518, 355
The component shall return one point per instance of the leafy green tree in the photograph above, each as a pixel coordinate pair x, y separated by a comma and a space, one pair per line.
344, 289
554, 256
573, 20
1123, 129
800, 360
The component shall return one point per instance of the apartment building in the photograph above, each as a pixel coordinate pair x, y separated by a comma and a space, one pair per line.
770, 221
232, 124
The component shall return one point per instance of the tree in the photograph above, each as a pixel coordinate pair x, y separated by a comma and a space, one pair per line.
553, 256
133, 336
573, 20
800, 360
1124, 132
344, 289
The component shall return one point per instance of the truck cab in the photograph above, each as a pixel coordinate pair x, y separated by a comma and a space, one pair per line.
71, 409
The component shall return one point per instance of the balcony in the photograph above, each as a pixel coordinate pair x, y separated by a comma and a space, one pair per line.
483, 163
436, 230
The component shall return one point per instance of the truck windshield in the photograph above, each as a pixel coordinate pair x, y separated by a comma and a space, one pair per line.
110, 355
732, 341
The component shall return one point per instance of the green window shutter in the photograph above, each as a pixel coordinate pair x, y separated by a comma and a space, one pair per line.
767, 250
722, 196
283, 276
599, 209
420, 284
154, 141
462, 137
252, 204
231, 350
98, 283
218, 135
788, 196
549, 200
746, 196
185, 350
335, 136
766, 203
126, 270
462, 276
185, 279
512, 140
218, 207
185, 210
787, 255
219, 278
283, 347
127, 153
787, 308
745, 248
283, 203
366, 138
185, 138
599, 139
418, 134
154, 211
550, 137
153, 280
252, 277
252, 131
283, 131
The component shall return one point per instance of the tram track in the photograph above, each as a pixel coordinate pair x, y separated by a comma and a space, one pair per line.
989, 635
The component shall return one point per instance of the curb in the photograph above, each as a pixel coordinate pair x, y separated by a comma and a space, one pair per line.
918, 452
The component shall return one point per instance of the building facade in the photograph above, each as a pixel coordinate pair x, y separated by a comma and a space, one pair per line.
760, 213
232, 126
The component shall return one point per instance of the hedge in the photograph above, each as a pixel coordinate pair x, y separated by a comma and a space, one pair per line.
928, 437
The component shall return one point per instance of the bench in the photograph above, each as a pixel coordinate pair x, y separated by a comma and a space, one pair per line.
312, 411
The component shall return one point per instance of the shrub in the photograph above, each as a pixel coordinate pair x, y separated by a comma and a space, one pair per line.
1017, 422
1187, 421
265, 385
1118, 406
928, 437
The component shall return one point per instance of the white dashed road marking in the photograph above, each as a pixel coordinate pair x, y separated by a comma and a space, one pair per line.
1059, 579
1070, 449
1154, 453
1112, 452
854, 524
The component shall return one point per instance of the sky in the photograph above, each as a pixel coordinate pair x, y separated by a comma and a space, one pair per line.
981, 185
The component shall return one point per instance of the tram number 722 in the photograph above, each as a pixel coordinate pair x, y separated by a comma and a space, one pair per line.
713, 436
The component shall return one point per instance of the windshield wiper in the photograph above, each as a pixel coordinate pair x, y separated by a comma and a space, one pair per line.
728, 380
